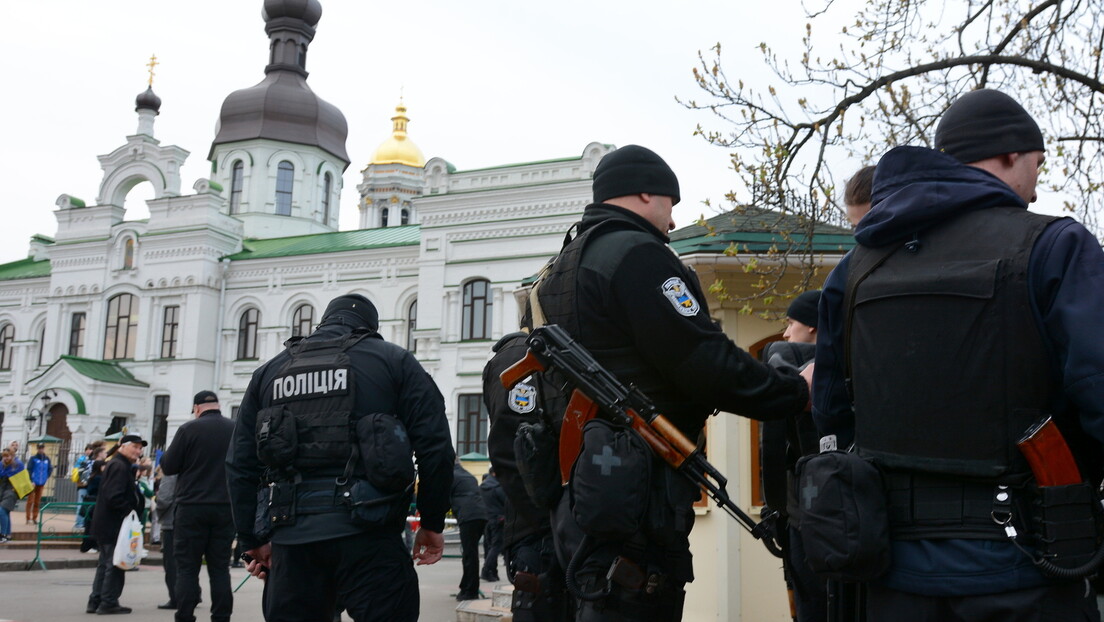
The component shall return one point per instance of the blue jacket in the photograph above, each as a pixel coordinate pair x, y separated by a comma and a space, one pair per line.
915, 188
40, 469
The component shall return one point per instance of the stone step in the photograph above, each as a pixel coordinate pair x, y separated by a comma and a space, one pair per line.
502, 596
482, 611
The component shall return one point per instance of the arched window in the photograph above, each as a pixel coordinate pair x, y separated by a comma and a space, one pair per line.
404, 217
302, 321
128, 254
247, 334
411, 326
285, 174
476, 318
236, 179
327, 188
7, 336
121, 335
41, 345
383, 216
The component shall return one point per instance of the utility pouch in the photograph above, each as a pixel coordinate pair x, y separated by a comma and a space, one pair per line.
385, 452
262, 522
610, 481
372, 508
277, 439
842, 517
671, 508
281, 504
1066, 523
538, 462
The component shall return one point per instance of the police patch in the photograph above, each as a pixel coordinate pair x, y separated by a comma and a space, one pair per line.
523, 398
679, 294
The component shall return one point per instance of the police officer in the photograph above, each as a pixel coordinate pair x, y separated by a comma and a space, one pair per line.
619, 290
325, 433
959, 321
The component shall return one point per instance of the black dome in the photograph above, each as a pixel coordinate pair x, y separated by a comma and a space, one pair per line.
283, 107
310, 11
148, 100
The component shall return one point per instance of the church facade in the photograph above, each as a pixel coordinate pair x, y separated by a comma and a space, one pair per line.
116, 323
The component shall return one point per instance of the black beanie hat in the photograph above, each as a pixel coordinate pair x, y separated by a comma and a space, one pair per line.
633, 169
359, 305
804, 308
986, 123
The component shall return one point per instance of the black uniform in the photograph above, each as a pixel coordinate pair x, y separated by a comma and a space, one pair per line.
323, 552
203, 528
620, 291
532, 565
494, 498
471, 515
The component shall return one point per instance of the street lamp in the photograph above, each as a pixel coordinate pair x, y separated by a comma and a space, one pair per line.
39, 415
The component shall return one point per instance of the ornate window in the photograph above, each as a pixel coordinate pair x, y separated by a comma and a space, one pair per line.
76, 334
7, 336
121, 335
128, 254
302, 321
169, 330
475, 323
471, 425
285, 174
411, 326
404, 217
383, 216
247, 334
236, 179
327, 189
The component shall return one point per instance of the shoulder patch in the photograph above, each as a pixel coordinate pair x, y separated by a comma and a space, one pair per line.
679, 294
523, 398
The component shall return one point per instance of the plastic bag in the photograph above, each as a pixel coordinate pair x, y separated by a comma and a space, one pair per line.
129, 549
75, 475
21, 482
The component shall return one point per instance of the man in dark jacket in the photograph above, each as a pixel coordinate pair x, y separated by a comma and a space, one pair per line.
619, 290
970, 318
203, 528
471, 515
118, 496
495, 501
298, 411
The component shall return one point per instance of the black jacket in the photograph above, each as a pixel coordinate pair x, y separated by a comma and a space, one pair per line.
467, 501
118, 495
388, 379
643, 315
494, 498
198, 455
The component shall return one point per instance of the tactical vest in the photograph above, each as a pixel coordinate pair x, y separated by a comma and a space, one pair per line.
559, 298
949, 366
308, 425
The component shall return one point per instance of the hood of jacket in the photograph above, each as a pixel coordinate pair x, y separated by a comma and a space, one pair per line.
915, 188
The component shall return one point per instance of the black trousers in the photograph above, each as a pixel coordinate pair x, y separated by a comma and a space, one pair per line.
372, 576
470, 533
203, 531
168, 557
547, 599
492, 547
109, 581
1067, 602
810, 591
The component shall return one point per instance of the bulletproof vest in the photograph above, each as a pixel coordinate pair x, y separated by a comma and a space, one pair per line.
308, 423
559, 297
946, 362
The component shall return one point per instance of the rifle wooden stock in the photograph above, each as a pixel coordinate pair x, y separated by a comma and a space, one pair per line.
673, 435
520, 370
580, 409
1048, 454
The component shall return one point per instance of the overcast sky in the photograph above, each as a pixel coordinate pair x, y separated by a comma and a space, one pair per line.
486, 82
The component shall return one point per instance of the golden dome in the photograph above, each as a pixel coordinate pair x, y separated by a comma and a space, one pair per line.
399, 149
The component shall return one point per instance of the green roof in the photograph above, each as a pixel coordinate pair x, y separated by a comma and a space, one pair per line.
24, 269
104, 371
755, 230
334, 242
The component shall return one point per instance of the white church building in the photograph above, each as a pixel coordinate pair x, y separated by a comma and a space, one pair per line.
117, 323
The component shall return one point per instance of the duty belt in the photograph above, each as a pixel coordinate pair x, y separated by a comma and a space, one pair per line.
318, 496
922, 507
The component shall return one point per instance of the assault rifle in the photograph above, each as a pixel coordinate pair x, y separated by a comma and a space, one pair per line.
599, 393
